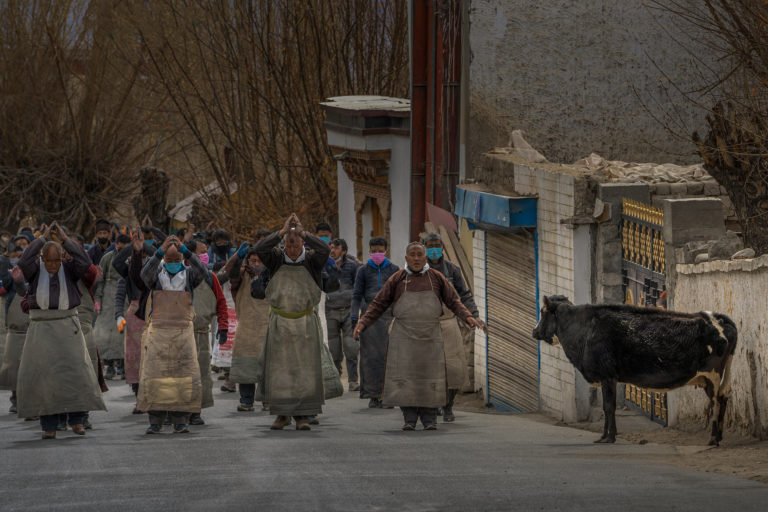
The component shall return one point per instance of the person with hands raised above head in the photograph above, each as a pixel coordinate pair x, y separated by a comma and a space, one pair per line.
415, 376
55, 374
169, 377
296, 362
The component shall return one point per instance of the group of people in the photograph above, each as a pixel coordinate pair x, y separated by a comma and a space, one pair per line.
143, 306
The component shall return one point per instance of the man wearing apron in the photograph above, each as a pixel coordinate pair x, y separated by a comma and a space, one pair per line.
291, 374
455, 359
16, 323
373, 341
415, 378
210, 312
169, 377
105, 332
253, 320
56, 375
128, 263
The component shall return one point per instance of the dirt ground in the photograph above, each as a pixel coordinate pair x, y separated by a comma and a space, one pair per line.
744, 457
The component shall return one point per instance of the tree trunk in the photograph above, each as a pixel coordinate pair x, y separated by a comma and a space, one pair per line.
735, 155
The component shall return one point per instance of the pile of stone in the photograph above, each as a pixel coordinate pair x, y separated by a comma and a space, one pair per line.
728, 247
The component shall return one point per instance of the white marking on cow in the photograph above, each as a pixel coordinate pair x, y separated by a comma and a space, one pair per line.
709, 348
555, 340
717, 326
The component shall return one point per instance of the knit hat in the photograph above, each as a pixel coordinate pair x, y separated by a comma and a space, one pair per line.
102, 224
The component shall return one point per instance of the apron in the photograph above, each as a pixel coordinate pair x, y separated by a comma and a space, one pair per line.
373, 355
134, 327
205, 315
455, 361
108, 339
16, 323
415, 374
85, 313
252, 324
56, 374
291, 374
169, 378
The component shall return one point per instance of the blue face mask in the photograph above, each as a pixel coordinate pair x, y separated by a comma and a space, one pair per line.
326, 239
150, 242
435, 253
174, 268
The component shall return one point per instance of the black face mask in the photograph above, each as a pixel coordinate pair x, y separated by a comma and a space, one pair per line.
102, 241
222, 249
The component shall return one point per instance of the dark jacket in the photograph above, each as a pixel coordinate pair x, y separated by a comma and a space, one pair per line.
74, 269
453, 273
369, 280
315, 260
342, 299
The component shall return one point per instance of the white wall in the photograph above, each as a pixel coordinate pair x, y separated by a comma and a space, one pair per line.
481, 342
737, 289
347, 215
400, 187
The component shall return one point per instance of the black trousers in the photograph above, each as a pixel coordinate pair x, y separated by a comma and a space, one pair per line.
428, 415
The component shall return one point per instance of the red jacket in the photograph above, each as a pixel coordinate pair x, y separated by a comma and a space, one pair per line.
221, 304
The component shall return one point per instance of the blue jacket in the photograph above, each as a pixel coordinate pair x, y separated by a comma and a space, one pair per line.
369, 280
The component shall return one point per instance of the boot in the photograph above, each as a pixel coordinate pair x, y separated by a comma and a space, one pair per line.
448, 416
280, 422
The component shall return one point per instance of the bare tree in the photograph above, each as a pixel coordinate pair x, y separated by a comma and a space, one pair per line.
246, 78
73, 114
735, 147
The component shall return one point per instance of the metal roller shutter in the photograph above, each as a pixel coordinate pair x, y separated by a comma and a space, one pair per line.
513, 355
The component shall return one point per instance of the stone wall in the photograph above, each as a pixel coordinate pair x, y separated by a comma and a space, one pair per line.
577, 78
736, 288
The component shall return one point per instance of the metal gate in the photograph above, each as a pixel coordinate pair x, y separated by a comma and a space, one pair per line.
643, 280
513, 356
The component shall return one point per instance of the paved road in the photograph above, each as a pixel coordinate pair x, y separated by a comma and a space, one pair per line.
358, 459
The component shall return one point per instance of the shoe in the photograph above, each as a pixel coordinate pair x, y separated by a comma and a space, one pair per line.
154, 429
181, 428
229, 389
12, 409
136, 411
354, 386
32, 418
374, 403
78, 429
221, 377
430, 426
448, 416
196, 419
244, 408
87, 424
302, 425
49, 434
409, 426
313, 420
280, 422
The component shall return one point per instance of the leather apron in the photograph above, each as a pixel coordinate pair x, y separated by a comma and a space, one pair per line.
169, 379
291, 378
205, 316
105, 333
86, 312
56, 374
415, 374
134, 328
250, 336
16, 323
455, 360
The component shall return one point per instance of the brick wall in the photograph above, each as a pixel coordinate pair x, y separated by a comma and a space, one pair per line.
557, 188
478, 268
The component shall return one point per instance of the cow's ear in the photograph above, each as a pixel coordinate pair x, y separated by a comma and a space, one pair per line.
546, 302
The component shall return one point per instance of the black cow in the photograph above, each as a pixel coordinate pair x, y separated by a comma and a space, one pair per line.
649, 347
